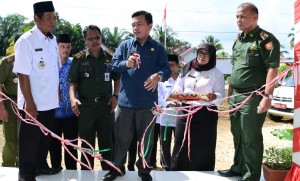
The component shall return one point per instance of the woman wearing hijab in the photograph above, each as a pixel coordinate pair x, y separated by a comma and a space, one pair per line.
199, 76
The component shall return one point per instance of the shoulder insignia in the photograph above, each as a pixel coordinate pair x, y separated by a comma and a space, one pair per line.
269, 46
263, 35
79, 54
107, 50
107, 61
9, 58
111, 53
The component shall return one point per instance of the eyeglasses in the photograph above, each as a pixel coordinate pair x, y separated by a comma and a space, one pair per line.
204, 54
93, 38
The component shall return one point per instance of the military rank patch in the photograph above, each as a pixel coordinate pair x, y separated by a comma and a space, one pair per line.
263, 35
269, 46
10, 58
79, 54
111, 53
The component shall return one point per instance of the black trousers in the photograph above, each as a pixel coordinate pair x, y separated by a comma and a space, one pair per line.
165, 142
203, 134
69, 129
96, 119
34, 145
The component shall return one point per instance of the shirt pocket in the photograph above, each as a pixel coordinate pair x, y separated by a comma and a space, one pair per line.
253, 57
41, 62
238, 57
85, 71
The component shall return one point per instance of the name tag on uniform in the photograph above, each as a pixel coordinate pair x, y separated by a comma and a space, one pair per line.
38, 49
106, 76
191, 76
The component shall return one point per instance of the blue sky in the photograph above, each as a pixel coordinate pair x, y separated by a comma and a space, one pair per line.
191, 20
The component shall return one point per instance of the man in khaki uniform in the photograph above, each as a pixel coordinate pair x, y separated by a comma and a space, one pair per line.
255, 62
91, 77
9, 86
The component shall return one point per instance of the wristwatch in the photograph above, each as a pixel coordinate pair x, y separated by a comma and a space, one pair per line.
160, 77
269, 96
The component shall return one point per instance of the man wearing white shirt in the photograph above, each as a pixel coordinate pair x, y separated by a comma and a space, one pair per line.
167, 123
37, 64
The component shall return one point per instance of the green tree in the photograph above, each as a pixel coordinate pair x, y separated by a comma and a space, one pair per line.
75, 32
9, 26
27, 26
212, 40
77, 39
283, 52
223, 54
291, 35
171, 41
114, 38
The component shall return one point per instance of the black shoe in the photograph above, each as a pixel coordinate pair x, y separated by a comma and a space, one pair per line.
167, 169
130, 167
56, 170
112, 175
145, 176
49, 171
228, 173
44, 172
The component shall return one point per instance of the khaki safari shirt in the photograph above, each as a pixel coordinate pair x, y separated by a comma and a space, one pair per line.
91, 74
7, 77
252, 56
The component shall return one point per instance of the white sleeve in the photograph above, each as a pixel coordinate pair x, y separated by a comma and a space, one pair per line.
219, 87
23, 57
179, 85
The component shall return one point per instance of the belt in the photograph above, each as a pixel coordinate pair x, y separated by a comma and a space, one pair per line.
248, 89
94, 99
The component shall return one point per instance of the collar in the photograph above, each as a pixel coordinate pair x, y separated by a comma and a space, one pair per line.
253, 33
39, 34
150, 40
88, 53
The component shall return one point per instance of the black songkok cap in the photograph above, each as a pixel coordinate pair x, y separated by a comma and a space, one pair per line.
63, 38
44, 6
173, 58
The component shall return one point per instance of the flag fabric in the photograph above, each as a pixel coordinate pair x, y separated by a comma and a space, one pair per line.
164, 24
294, 172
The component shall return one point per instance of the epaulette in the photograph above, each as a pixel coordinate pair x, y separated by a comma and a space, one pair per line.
111, 53
238, 36
107, 50
79, 54
9, 58
263, 35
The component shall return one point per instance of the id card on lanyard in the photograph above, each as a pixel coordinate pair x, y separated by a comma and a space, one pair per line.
107, 73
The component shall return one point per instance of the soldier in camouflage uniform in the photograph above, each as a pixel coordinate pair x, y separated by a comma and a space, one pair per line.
255, 60
91, 77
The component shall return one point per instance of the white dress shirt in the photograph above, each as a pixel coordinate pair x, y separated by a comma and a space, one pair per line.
37, 56
164, 91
